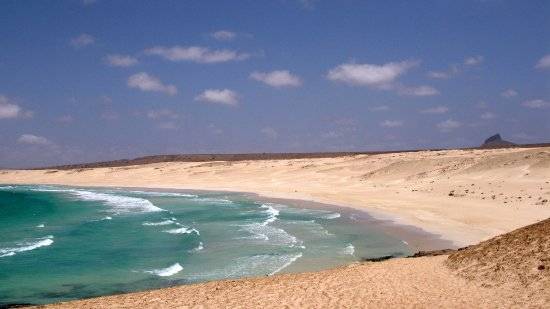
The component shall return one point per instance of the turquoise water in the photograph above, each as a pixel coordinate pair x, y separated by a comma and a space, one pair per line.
63, 243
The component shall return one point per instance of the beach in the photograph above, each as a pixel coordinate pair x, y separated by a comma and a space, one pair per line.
464, 196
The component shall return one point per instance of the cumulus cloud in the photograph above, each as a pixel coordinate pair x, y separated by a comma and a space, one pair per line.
168, 125
435, 110
439, 74
370, 74
82, 40
146, 82
270, 132
383, 77
474, 60
281, 78
544, 62
224, 35
196, 54
10, 110
418, 91
162, 113
66, 119
488, 116
449, 125
31, 139
116, 60
219, 96
509, 93
379, 108
391, 123
538, 103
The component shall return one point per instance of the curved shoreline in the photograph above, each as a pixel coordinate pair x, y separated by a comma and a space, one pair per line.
463, 195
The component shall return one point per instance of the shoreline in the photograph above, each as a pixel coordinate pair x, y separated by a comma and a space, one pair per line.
415, 237
465, 196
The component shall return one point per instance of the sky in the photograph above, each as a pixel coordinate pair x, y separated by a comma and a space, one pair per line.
91, 80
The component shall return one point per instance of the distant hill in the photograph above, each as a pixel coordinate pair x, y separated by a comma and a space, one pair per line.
496, 141
266, 156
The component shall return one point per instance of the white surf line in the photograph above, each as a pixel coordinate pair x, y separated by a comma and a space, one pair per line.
166, 272
292, 260
27, 246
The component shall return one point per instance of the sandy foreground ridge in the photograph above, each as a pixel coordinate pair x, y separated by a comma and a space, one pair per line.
466, 196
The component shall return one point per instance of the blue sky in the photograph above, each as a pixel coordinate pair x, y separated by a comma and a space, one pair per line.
100, 80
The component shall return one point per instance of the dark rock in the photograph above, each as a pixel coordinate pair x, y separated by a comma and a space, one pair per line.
432, 253
378, 259
496, 141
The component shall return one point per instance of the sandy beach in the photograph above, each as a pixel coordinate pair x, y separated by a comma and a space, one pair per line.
466, 196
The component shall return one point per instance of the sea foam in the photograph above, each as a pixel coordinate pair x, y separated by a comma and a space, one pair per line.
27, 246
165, 222
166, 272
182, 230
349, 250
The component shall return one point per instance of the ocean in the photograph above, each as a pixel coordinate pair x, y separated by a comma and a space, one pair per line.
62, 243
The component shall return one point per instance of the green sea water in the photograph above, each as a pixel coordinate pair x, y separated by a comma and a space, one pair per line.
63, 243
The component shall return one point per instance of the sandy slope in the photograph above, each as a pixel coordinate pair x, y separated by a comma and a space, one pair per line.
464, 195
419, 282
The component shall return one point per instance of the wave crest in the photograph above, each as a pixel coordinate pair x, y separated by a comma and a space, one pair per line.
27, 246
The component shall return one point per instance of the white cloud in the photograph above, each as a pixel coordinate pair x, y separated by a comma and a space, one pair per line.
146, 82
370, 74
168, 125
488, 116
536, 104
281, 78
474, 60
109, 115
436, 110
449, 125
379, 108
439, 75
224, 35
65, 119
509, 93
10, 110
308, 4
121, 60
162, 113
33, 140
391, 123
544, 62
196, 54
220, 96
270, 132
82, 40
330, 134
418, 91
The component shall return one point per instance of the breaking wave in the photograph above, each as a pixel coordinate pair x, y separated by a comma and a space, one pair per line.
182, 230
27, 246
166, 272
